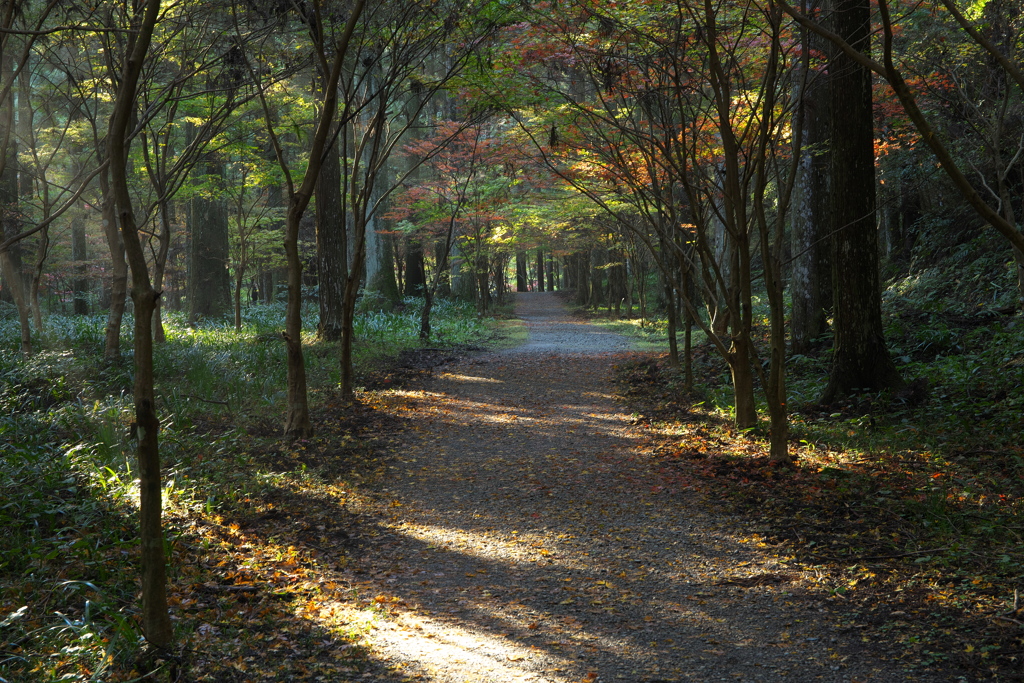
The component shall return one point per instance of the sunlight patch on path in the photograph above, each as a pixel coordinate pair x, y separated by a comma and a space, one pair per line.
526, 546
437, 646
469, 378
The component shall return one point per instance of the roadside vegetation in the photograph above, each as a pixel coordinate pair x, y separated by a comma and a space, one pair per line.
241, 507
907, 506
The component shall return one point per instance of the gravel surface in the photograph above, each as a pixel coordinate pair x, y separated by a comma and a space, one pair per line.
525, 537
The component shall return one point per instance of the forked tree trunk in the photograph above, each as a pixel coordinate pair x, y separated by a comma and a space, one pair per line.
297, 424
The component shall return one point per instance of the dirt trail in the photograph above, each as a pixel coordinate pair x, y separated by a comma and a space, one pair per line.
525, 538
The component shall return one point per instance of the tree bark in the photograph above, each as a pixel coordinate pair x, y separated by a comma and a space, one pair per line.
156, 624
10, 213
415, 272
118, 272
79, 254
209, 288
860, 358
331, 245
811, 276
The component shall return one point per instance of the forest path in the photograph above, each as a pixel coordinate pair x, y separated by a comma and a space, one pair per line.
525, 536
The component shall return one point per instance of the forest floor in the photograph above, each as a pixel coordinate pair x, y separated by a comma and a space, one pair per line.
561, 511
518, 527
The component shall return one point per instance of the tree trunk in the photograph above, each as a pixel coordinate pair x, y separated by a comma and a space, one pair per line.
79, 255
12, 275
331, 245
118, 273
860, 357
540, 269
521, 275
209, 290
10, 259
811, 270
159, 269
415, 271
156, 623
297, 424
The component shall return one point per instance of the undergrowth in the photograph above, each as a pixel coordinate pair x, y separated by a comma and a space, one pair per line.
242, 509
908, 506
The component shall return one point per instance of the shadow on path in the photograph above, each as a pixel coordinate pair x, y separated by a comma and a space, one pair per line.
525, 535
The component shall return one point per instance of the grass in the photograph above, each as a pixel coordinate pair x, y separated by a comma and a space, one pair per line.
68, 494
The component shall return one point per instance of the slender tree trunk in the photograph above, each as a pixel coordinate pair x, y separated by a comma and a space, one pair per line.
540, 269
159, 270
156, 622
118, 273
79, 254
37, 278
297, 423
348, 381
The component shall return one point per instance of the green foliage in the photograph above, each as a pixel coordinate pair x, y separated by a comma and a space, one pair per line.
68, 487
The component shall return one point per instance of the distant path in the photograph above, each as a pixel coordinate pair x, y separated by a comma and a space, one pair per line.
526, 538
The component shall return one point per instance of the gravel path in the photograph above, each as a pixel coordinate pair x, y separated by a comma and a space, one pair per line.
526, 538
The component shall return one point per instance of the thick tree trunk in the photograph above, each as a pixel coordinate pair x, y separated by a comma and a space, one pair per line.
810, 282
15, 285
209, 289
860, 357
415, 271
331, 246
10, 215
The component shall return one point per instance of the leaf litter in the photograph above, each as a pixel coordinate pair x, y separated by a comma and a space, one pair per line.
506, 517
